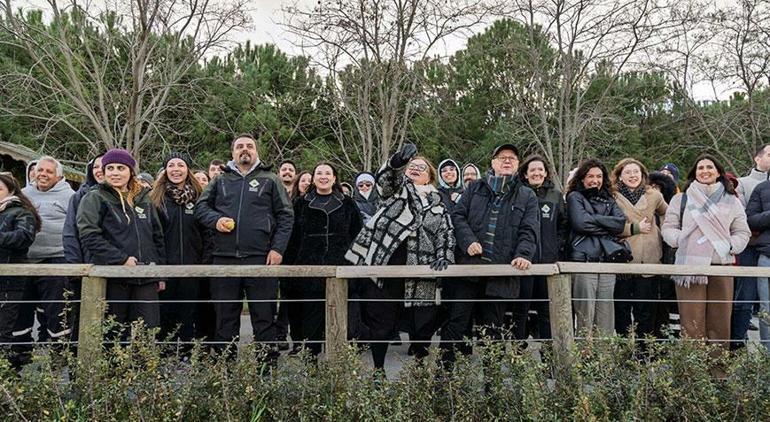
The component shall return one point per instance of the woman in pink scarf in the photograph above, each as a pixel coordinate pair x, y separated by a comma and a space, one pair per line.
711, 231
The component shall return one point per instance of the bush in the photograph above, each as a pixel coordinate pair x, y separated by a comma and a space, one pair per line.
608, 380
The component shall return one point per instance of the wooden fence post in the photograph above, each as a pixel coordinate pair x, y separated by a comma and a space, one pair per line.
92, 307
336, 316
560, 305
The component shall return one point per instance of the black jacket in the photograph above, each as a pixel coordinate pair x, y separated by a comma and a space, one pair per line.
515, 234
260, 207
367, 207
73, 250
322, 232
592, 215
450, 194
758, 216
554, 225
184, 236
111, 230
17, 232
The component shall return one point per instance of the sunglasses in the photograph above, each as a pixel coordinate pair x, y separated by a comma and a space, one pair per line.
364, 185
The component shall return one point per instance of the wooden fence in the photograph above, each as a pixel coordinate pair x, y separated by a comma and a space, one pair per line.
94, 284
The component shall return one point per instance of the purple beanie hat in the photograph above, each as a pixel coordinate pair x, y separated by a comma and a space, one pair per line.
119, 156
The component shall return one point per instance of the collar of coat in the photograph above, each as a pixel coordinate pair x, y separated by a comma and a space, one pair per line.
325, 203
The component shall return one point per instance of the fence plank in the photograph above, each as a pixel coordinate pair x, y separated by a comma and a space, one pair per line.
185, 271
662, 269
560, 306
92, 307
42, 270
336, 316
424, 271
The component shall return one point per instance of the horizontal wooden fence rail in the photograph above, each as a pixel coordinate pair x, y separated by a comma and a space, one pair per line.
95, 278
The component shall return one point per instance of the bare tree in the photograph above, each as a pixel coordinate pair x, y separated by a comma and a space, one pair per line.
115, 74
368, 49
585, 39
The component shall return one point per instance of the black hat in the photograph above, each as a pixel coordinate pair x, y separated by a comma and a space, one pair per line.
511, 147
180, 155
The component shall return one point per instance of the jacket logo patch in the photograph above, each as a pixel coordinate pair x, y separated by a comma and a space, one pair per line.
189, 208
140, 212
545, 211
254, 185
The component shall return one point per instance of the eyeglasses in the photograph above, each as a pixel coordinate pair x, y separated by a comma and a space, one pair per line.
447, 169
364, 185
507, 159
418, 167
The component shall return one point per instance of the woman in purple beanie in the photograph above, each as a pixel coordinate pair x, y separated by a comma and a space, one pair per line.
118, 225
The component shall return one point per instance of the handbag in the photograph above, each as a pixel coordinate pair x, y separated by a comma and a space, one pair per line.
616, 250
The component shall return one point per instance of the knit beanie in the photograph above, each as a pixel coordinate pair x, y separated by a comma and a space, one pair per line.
180, 155
146, 177
672, 168
365, 177
119, 156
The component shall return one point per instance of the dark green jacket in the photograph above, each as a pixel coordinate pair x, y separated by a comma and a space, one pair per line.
17, 232
111, 231
260, 207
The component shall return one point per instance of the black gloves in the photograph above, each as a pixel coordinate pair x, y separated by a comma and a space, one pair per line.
440, 264
403, 156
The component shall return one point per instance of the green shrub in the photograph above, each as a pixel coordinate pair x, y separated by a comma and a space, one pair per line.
608, 380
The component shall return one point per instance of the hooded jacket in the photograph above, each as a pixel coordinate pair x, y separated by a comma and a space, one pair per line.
111, 230
17, 232
592, 214
258, 203
450, 194
52, 206
462, 172
26, 173
73, 251
667, 185
367, 206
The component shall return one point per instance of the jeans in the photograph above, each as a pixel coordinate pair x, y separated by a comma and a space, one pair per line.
745, 294
763, 289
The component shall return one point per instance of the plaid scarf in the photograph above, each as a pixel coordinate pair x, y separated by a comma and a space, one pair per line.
708, 207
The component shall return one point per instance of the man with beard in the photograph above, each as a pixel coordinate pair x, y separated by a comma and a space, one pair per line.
471, 173
250, 211
287, 171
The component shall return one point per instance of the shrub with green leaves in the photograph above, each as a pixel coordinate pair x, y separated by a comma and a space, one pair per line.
616, 379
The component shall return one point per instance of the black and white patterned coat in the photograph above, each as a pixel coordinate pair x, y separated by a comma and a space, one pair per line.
403, 216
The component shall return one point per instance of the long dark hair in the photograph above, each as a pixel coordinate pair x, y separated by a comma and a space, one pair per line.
335, 187
720, 169
576, 184
159, 188
295, 193
12, 184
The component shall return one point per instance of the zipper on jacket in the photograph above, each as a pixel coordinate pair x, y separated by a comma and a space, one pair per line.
238, 226
181, 235
138, 238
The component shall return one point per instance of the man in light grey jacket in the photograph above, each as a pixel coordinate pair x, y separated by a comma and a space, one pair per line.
50, 195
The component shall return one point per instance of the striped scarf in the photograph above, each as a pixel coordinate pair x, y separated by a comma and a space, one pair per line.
500, 185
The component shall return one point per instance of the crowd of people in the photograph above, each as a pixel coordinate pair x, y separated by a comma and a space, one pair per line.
409, 212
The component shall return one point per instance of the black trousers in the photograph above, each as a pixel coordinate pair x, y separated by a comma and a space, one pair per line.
290, 319
49, 290
520, 310
205, 314
457, 327
644, 313
379, 319
312, 320
540, 324
423, 323
235, 289
17, 354
129, 302
178, 318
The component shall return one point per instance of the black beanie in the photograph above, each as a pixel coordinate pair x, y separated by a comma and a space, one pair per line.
180, 155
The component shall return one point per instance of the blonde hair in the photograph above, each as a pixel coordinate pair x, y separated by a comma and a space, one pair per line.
432, 173
616, 172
